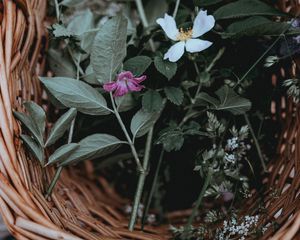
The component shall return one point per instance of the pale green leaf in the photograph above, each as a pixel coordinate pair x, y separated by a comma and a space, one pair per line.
34, 148
38, 116
76, 94
125, 102
92, 147
109, 48
62, 153
61, 126
142, 121
30, 126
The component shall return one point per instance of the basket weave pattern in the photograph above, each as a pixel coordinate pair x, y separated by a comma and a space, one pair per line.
80, 207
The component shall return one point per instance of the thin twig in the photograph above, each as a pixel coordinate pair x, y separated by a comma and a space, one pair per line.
260, 155
176, 8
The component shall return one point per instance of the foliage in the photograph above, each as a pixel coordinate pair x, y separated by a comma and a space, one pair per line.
191, 111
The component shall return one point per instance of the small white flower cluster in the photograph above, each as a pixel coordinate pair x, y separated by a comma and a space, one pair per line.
230, 158
232, 143
234, 229
151, 218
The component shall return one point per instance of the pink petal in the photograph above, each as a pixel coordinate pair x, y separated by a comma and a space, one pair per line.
125, 75
109, 87
121, 90
140, 79
134, 87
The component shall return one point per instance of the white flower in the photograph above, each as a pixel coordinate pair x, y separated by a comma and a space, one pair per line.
187, 39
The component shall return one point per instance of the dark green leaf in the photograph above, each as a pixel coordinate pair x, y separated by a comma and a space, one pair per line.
109, 49
167, 68
232, 102
155, 9
92, 147
228, 101
204, 3
256, 26
172, 139
245, 8
61, 126
152, 101
62, 153
137, 65
142, 121
38, 116
30, 126
76, 94
175, 95
34, 148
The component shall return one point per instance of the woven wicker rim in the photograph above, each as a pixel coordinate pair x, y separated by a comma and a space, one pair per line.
83, 208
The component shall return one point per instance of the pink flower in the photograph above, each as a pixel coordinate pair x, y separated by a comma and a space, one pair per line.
125, 83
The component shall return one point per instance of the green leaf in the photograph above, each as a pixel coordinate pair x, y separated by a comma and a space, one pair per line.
152, 101
109, 49
171, 138
228, 101
81, 22
204, 3
232, 102
38, 116
34, 148
30, 126
175, 95
62, 153
142, 121
92, 147
245, 8
61, 126
125, 102
137, 65
256, 26
167, 68
61, 64
90, 76
76, 94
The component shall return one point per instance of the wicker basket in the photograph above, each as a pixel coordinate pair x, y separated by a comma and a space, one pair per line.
87, 208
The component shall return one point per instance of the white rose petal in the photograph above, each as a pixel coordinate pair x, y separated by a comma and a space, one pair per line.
197, 45
168, 24
202, 24
175, 52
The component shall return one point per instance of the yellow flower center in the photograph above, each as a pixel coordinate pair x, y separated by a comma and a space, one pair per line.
184, 34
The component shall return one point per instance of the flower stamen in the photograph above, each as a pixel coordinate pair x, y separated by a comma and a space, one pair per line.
184, 35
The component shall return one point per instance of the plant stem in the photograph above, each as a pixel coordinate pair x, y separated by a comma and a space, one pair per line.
57, 10
148, 203
260, 155
70, 136
130, 142
141, 182
144, 20
199, 200
176, 8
